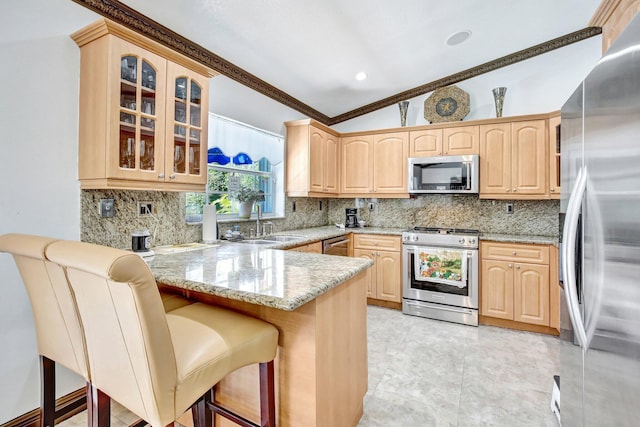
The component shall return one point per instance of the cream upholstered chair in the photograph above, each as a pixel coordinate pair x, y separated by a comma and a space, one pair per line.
159, 364
58, 329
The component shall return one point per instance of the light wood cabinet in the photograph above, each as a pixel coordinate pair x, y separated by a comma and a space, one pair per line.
384, 278
312, 160
513, 160
314, 248
554, 157
143, 113
456, 141
375, 164
613, 16
515, 282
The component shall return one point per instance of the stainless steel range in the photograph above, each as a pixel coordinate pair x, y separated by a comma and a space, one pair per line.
440, 274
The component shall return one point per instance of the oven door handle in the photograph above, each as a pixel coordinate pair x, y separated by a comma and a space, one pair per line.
440, 307
468, 165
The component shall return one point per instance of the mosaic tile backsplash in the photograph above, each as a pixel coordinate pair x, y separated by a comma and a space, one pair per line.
168, 226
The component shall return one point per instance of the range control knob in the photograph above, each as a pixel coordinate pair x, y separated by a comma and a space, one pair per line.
405, 237
472, 241
461, 241
415, 238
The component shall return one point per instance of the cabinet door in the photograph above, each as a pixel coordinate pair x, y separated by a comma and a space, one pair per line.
531, 297
529, 157
370, 272
331, 159
314, 248
187, 124
554, 157
495, 159
316, 158
425, 143
460, 141
390, 153
357, 164
137, 110
497, 289
388, 280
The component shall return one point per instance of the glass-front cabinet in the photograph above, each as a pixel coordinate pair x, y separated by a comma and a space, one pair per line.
143, 113
186, 124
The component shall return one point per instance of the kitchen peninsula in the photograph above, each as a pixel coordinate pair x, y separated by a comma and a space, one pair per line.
318, 304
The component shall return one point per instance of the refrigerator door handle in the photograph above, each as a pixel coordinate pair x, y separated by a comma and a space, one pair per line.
569, 236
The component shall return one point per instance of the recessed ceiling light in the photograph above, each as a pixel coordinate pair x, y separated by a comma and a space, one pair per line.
459, 37
361, 75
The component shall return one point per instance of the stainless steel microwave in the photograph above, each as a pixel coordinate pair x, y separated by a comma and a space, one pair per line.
446, 174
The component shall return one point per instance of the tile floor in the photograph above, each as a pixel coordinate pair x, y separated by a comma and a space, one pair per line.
425, 373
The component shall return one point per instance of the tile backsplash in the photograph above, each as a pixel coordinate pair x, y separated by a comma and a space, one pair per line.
167, 225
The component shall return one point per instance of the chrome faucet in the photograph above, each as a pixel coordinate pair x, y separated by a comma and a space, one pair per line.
258, 220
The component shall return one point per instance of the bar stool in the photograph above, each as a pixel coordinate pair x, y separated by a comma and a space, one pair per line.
58, 330
159, 364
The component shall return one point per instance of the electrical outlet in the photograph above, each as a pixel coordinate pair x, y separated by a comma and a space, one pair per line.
145, 208
106, 208
320, 204
372, 206
509, 208
293, 207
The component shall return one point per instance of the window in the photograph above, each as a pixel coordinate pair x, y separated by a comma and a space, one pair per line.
240, 156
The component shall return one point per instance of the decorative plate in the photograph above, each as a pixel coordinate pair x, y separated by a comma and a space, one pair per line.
447, 104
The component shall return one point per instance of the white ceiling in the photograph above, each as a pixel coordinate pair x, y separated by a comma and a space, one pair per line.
312, 49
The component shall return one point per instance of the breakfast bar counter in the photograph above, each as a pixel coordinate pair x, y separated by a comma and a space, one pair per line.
317, 302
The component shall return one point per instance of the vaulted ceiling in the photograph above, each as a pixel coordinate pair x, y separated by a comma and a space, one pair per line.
306, 53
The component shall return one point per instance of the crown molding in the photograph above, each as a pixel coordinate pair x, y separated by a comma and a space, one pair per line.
140, 23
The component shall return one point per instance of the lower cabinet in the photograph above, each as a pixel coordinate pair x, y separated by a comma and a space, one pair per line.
515, 282
384, 278
314, 248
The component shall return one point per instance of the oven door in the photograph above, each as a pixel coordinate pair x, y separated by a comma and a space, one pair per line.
432, 284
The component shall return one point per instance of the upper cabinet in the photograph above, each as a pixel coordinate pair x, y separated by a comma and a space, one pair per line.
312, 160
513, 160
375, 164
143, 113
451, 141
613, 16
554, 156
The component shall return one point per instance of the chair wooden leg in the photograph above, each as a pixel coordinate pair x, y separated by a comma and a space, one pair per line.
202, 416
98, 407
267, 395
47, 392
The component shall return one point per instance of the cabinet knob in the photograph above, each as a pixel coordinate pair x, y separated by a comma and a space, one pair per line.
517, 265
375, 243
508, 190
510, 265
161, 176
553, 190
446, 152
373, 254
513, 253
515, 189
172, 176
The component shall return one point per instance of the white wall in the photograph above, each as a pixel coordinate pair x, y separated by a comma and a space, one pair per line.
538, 85
39, 194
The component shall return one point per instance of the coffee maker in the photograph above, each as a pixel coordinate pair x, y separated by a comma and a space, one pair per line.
352, 218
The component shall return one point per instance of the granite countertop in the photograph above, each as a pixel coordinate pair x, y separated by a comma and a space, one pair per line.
519, 238
274, 278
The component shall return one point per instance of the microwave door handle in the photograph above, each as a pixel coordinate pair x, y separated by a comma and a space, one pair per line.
468, 165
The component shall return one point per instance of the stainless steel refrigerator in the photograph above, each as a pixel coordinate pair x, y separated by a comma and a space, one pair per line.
600, 251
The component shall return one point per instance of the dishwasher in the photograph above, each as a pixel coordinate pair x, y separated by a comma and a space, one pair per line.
336, 246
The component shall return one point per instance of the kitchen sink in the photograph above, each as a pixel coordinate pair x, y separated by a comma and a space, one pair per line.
282, 238
258, 242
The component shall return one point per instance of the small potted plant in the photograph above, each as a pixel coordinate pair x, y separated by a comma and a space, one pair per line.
245, 197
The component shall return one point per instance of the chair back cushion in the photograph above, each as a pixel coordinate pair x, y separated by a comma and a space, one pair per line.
128, 342
58, 329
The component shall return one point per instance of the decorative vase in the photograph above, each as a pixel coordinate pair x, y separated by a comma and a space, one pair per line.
498, 97
404, 106
244, 209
